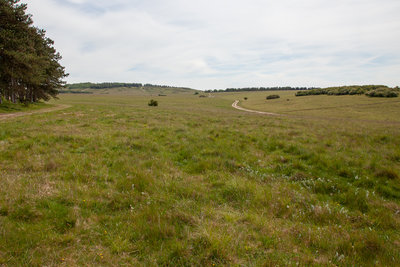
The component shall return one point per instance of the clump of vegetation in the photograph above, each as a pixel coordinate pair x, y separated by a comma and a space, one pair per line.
273, 97
369, 90
383, 92
245, 98
196, 93
202, 96
153, 103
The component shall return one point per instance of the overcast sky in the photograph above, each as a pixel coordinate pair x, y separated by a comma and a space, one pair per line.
225, 43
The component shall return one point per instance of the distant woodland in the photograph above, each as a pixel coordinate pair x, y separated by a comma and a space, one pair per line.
249, 89
29, 64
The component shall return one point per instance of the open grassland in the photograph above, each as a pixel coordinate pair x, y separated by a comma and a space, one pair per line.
356, 107
137, 91
111, 181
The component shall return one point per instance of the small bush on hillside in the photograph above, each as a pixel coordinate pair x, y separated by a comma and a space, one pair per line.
273, 97
153, 103
196, 93
302, 93
245, 98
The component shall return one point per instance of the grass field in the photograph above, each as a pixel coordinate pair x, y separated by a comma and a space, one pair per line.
135, 91
357, 107
10, 108
111, 181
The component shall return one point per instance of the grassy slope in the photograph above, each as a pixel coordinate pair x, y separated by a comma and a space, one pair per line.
357, 107
139, 91
12, 108
112, 181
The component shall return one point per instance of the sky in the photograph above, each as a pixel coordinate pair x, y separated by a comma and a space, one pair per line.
225, 43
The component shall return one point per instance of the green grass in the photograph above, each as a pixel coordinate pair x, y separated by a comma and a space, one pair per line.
356, 107
134, 91
112, 181
8, 107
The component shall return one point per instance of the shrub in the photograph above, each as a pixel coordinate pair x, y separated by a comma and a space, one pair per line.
382, 92
357, 91
273, 97
245, 98
196, 93
153, 103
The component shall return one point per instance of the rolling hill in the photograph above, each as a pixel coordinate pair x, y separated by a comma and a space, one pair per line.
124, 88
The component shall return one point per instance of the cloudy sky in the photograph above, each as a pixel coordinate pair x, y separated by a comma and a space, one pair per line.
225, 43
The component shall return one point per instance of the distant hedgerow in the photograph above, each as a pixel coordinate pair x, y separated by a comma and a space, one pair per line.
273, 97
368, 90
153, 103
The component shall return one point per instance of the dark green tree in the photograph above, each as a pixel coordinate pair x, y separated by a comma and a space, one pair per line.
29, 64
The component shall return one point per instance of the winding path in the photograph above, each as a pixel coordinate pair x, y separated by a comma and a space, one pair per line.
20, 114
235, 105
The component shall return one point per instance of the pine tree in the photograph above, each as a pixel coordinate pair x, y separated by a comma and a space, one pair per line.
29, 64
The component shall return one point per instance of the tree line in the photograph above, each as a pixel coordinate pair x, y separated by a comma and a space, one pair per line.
108, 85
249, 89
29, 64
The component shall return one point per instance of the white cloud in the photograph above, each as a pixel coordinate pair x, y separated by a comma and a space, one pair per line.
218, 44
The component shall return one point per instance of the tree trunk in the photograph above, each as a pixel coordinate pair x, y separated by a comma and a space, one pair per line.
12, 91
27, 90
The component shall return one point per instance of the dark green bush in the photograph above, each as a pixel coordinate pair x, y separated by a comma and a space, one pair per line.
153, 103
273, 97
382, 92
245, 98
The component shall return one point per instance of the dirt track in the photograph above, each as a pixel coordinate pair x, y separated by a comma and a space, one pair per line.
20, 114
235, 105
254, 111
